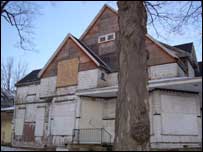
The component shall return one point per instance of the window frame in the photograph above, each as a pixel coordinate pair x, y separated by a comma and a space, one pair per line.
106, 37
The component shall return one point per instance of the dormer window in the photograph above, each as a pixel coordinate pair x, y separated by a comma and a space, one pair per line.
106, 38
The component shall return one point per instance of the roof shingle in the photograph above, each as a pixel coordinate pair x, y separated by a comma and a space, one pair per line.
31, 77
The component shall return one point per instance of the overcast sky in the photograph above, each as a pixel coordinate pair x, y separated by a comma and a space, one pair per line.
61, 18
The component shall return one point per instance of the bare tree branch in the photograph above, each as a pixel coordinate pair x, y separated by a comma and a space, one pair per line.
19, 14
191, 11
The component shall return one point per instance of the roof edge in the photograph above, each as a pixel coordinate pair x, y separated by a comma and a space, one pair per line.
69, 35
95, 19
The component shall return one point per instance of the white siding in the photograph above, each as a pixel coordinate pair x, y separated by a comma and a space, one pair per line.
19, 121
27, 93
47, 86
112, 79
91, 113
88, 79
109, 108
30, 112
40, 114
63, 118
163, 71
174, 119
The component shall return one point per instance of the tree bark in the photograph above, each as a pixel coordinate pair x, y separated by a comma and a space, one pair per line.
132, 127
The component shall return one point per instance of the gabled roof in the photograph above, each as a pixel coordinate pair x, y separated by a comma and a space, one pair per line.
96, 18
89, 53
102, 63
186, 47
178, 52
169, 52
30, 77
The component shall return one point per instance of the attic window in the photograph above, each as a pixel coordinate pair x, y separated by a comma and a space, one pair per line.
106, 38
102, 39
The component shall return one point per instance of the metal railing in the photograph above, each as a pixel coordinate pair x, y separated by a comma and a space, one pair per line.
91, 136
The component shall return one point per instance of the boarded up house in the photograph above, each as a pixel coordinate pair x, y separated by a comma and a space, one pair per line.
71, 100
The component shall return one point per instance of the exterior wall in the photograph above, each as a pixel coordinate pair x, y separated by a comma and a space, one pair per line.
27, 94
174, 118
98, 113
106, 23
165, 71
191, 72
174, 126
88, 79
157, 55
112, 79
181, 73
91, 113
68, 51
47, 87
30, 125
6, 127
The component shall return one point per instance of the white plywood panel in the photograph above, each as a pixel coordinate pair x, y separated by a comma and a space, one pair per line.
64, 109
109, 109
88, 79
63, 117
30, 113
47, 86
179, 124
178, 104
63, 125
163, 71
31, 98
40, 113
19, 121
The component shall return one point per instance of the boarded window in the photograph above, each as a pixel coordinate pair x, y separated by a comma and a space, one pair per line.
179, 111
19, 121
67, 72
40, 121
63, 118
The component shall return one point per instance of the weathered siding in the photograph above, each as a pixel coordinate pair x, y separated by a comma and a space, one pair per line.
47, 86
91, 113
157, 55
106, 23
27, 94
174, 120
164, 71
88, 79
68, 51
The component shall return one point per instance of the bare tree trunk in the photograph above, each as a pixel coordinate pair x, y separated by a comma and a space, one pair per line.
132, 128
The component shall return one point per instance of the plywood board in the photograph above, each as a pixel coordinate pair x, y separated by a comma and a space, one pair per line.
67, 72
39, 121
63, 119
19, 121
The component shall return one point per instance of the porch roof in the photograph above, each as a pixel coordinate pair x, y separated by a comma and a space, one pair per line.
186, 84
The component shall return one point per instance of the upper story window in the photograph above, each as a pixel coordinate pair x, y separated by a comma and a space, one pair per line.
106, 38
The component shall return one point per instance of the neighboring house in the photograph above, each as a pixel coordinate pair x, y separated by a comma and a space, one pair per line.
71, 100
7, 108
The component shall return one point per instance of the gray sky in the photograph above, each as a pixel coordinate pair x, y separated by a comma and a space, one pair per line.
57, 20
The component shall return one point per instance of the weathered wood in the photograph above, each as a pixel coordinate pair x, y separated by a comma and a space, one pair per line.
157, 55
69, 51
67, 73
106, 23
